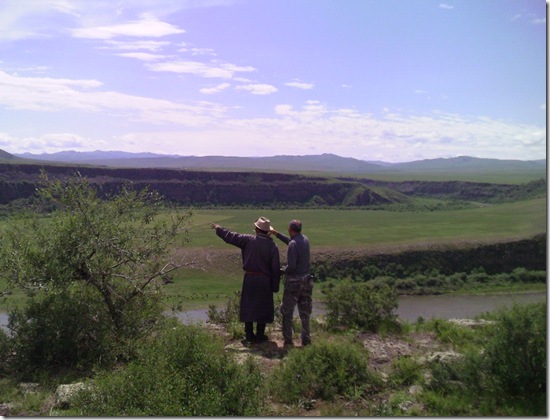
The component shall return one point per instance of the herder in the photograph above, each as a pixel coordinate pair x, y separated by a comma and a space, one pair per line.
260, 258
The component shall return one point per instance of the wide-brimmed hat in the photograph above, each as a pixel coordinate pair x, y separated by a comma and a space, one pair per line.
263, 223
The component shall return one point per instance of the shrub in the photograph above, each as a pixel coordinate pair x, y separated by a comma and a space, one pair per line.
405, 371
506, 374
228, 315
515, 353
323, 370
64, 330
523, 275
360, 305
184, 371
5, 351
448, 332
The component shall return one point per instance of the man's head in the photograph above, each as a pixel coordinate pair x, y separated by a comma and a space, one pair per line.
263, 224
294, 227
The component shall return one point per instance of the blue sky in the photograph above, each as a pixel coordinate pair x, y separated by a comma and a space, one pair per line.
391, 80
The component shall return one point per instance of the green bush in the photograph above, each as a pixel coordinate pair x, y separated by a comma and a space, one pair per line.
67, 330
362, 305
405, 371
230, 314
5, 351
184, 371
506, 374
515, 353
323, 370
522, 275
448, 332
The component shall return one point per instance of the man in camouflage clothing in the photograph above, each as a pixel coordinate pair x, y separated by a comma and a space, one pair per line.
299, 282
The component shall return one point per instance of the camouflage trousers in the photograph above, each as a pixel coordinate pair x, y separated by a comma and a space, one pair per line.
298, 291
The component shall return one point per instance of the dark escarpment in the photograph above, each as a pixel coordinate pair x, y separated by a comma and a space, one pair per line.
182, 187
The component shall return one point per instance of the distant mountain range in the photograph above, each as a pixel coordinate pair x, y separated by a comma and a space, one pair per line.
326, 163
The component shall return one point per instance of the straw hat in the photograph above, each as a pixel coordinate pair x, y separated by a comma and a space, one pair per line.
263, 223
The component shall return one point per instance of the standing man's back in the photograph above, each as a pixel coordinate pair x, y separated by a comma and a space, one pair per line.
299, 282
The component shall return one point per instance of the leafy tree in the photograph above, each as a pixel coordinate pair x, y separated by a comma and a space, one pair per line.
92, 269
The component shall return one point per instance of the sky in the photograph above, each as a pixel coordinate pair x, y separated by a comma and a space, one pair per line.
388, 80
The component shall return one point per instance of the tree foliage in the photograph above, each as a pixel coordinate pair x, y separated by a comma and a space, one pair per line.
97, 261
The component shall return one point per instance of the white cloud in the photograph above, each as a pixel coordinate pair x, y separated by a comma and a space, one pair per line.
47, 94
215, 89
14, 17
300, 85
396, 137
258, 89
50, 143
446, 6
146, 26
202, 51
222, 71
309, 129
142, 56
152, 46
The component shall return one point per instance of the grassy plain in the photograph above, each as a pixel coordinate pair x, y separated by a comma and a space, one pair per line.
366, 228
219, 274
216, 271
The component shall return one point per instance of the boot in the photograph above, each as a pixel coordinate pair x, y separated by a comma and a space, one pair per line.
249, 332
260, 332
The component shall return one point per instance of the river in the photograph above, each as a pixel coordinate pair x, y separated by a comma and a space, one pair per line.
434, 306
411, 307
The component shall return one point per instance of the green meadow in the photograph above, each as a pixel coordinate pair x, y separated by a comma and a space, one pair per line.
217, 273
367, 228
213, 272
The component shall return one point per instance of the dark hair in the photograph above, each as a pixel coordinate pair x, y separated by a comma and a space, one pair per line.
296, 225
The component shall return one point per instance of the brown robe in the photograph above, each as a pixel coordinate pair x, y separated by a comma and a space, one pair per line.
261, 264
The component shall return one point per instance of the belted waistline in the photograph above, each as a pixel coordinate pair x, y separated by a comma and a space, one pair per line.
255, 273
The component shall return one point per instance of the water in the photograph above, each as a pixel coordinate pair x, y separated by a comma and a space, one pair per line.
463, 306
410, 307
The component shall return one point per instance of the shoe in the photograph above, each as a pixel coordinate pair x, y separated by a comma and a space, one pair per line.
261, 338
250, 338
306, 343
288, 344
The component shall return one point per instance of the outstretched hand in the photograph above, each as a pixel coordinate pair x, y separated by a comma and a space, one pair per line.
214, 226
272, 231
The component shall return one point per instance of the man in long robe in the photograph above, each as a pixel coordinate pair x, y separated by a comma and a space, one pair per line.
261, 267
